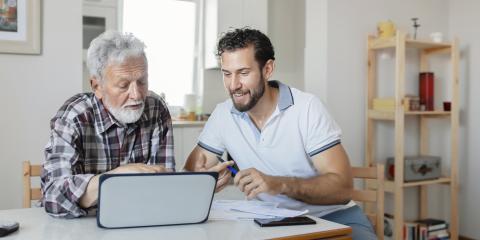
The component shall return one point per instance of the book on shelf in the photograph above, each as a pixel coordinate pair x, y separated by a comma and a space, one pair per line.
432, 229
410, 231
424, 229
432, 224
439, 234
384, 104
409, 102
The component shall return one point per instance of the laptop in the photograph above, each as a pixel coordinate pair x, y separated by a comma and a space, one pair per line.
154, 199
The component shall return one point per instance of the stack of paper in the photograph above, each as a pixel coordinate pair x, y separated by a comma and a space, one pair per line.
247, 210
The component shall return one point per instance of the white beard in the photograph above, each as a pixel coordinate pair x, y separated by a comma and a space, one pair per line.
123, 115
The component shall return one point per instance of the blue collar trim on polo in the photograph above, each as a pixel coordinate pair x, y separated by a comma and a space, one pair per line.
285, 97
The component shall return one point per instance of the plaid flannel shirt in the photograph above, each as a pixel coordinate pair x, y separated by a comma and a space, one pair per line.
86, 140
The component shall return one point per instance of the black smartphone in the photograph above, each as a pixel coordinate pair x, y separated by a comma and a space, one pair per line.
271, 222
7, 227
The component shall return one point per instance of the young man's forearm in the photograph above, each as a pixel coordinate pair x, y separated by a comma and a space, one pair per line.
326, 189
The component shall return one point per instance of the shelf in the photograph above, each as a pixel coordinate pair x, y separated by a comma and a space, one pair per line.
389, 185
378, 43
442, 180
426, 49
390, 115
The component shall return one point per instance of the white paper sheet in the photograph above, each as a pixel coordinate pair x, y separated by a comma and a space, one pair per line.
247, 210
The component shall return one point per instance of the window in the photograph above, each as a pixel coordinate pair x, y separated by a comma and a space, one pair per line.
169, 29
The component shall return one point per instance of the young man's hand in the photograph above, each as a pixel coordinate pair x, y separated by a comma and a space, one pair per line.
223, 174
201, 160
252, 182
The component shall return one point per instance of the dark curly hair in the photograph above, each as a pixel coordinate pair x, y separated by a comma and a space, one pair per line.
243, 37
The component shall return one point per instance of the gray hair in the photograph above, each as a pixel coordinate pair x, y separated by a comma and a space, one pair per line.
112, 47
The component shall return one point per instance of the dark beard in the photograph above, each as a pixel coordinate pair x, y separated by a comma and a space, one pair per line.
255, 96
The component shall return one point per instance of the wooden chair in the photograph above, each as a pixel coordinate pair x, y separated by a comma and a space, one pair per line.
369, 196
30, 193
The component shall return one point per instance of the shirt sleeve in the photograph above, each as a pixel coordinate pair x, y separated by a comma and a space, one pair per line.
322, 131
63, 181
211, 137
162, 138
162, 142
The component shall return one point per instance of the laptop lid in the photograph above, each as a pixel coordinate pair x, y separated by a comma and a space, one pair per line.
154, 199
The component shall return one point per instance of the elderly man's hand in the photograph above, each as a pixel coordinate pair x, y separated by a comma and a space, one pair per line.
89, 198
252, 182
138, 168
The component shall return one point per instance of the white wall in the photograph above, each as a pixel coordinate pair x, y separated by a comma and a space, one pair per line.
316, 45
286, 29
464, 18
213, 90
33, 88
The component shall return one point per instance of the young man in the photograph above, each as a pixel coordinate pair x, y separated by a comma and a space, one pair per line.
119, 128
283, 140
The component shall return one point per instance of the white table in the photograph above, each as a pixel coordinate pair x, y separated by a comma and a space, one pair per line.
35, 224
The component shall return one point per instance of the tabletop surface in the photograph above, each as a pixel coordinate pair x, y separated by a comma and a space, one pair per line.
36, 224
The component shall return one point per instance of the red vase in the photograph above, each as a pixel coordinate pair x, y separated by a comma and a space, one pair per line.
426, 90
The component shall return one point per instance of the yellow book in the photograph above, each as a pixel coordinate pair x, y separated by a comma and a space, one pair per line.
384, 104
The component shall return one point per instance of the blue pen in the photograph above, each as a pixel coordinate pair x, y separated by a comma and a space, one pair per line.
233, 170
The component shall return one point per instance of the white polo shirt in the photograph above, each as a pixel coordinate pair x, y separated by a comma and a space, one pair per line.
299, 128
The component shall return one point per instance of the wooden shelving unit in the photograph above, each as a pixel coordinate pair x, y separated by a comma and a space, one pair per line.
399, 43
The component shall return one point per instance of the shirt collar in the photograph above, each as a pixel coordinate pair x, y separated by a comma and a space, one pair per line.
103, 120
285, 97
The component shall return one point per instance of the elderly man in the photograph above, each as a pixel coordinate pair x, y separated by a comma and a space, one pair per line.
119, 128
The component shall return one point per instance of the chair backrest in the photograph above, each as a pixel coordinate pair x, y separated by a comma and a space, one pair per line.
375, 173
30, 193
